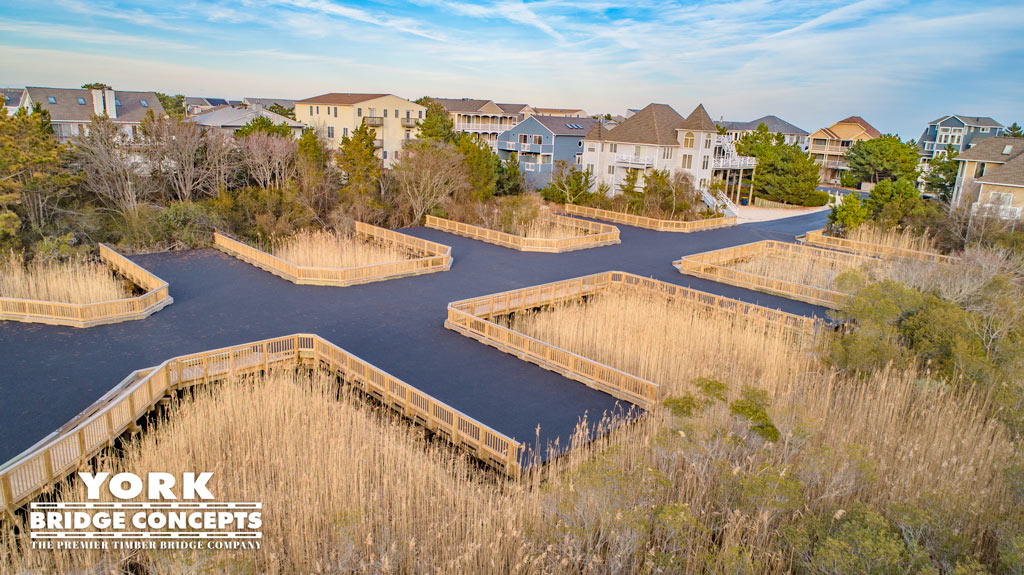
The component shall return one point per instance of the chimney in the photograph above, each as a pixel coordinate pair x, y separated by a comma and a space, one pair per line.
110, 103
97, 102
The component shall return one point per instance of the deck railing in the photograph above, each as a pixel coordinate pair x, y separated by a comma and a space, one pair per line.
434, 257
818, 238
154, 299
474, 318
591, 235
68, 448
713, 265
650, 223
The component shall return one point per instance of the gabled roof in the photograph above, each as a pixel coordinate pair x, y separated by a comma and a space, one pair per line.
340, 98
1009, 174
238, 117
775, 124
67, 108
868, 128
982, 121
12, 96
655, 124
990, 150
598, 132
514, 108
562, 126
699, 120
554, 111
461, 104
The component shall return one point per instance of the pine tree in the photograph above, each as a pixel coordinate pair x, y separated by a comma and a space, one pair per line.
436, 125
1015, 131
357, 159
941, 178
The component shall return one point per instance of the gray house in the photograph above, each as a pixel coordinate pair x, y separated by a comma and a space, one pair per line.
541, 141
775, 125
959, 131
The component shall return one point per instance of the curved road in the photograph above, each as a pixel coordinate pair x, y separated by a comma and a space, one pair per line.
49, 374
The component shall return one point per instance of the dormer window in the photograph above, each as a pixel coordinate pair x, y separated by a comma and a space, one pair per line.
81, 101
51, 99
144, 103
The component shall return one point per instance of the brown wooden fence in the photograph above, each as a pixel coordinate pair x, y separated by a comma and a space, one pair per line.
68, 448
714, 265
156, 298
819, 239
650, 223
474, 318
433, 257
592, 235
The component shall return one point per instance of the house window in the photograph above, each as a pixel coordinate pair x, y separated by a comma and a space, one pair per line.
705, 163
408, 113
81, 101
581, 143
538, 140
666, 153
408, 134
688, 140
590, 168
385, 112
707, 142
396, 113
51, 99
144, 103
1000, 198
344, 132
311, 110
372, 112
420, 114
611, 170
330, 131
593, 147
687, 161
613, 148
984, 130
318, 110
335, 111
385, 153
359, 112
523, 138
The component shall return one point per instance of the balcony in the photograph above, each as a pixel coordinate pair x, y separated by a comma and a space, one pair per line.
508, 146
470, 127
409, 122
834, 164
734, 162
828, 149
1002, 211
378, 143
634, 160
408, 142
375, 121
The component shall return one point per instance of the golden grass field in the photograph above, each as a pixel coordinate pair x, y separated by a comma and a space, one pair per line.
894, 238
328, 249
77, 281
347, 488
816, 272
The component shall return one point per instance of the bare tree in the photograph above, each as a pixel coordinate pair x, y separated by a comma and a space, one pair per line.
225, 160
177, 151
270, 160
427, 176
112, 168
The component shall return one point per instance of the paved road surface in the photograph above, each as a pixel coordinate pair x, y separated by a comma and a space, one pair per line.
49, 374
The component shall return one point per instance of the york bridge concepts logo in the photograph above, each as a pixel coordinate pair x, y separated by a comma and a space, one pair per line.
195, 521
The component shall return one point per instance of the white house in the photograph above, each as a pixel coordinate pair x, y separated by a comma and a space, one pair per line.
72, 109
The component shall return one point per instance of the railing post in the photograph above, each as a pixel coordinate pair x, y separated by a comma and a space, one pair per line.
5, 484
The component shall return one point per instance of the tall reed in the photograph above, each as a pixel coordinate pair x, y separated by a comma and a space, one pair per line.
77, 281
328, 249
895, 238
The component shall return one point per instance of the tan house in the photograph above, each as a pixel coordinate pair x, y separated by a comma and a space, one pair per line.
484, 118
829, 145
990, 178
337, 115
71, 109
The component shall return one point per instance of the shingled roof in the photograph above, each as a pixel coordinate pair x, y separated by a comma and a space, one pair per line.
983, 121
340, 98
990, 150
562, 126
699, 120
655, 124
1009, 174
775, 125
868, 128
461, 104
131, 107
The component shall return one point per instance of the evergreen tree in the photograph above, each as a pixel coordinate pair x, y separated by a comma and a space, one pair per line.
785, 173
884, 158
1015, 131
481, 165
941, 178
436, 125
282, 111
849, 214
174, 106
265, 125
358, 162
511, 181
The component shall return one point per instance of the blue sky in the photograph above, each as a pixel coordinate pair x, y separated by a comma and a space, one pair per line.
897, 64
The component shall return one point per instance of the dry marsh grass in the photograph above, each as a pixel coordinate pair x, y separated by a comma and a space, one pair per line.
328, 249
77, 281
347, 488
894, 238
801, 269
544, 228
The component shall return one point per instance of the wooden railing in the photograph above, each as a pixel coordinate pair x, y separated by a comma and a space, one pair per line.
818, 238
156, 298
70, 447
591, 235
713, 265
434, 257
475, 318
650, 223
